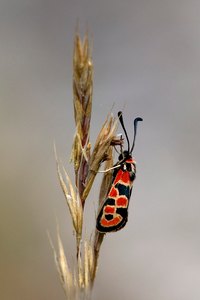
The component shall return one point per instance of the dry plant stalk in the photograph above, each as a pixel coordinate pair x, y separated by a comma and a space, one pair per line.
78, 283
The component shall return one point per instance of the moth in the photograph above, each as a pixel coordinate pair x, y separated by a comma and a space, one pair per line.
113, 214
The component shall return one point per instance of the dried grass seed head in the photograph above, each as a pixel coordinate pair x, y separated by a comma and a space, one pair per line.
103, 142
65, 274
82, 95
72, 198
86, 266
100, 151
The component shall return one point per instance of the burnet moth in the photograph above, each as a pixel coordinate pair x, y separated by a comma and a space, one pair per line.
113, 214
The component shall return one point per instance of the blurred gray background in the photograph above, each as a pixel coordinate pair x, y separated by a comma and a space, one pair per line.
147, 59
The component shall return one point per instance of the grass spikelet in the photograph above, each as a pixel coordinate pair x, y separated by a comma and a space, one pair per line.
100, 151
82, 99
73, 201
86, 263
66, 276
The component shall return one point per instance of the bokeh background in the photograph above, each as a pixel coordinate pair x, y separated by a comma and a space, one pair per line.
147, 60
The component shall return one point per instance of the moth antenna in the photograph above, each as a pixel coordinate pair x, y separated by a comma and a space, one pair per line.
135, 131
123, 127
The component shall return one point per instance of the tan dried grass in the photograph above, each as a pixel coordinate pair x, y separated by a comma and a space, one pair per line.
78, 281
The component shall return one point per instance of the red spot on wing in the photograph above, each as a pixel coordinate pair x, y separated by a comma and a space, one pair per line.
125, 177
118, 176
122, 176
113, 192
109, 209
122, 202
115, 221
